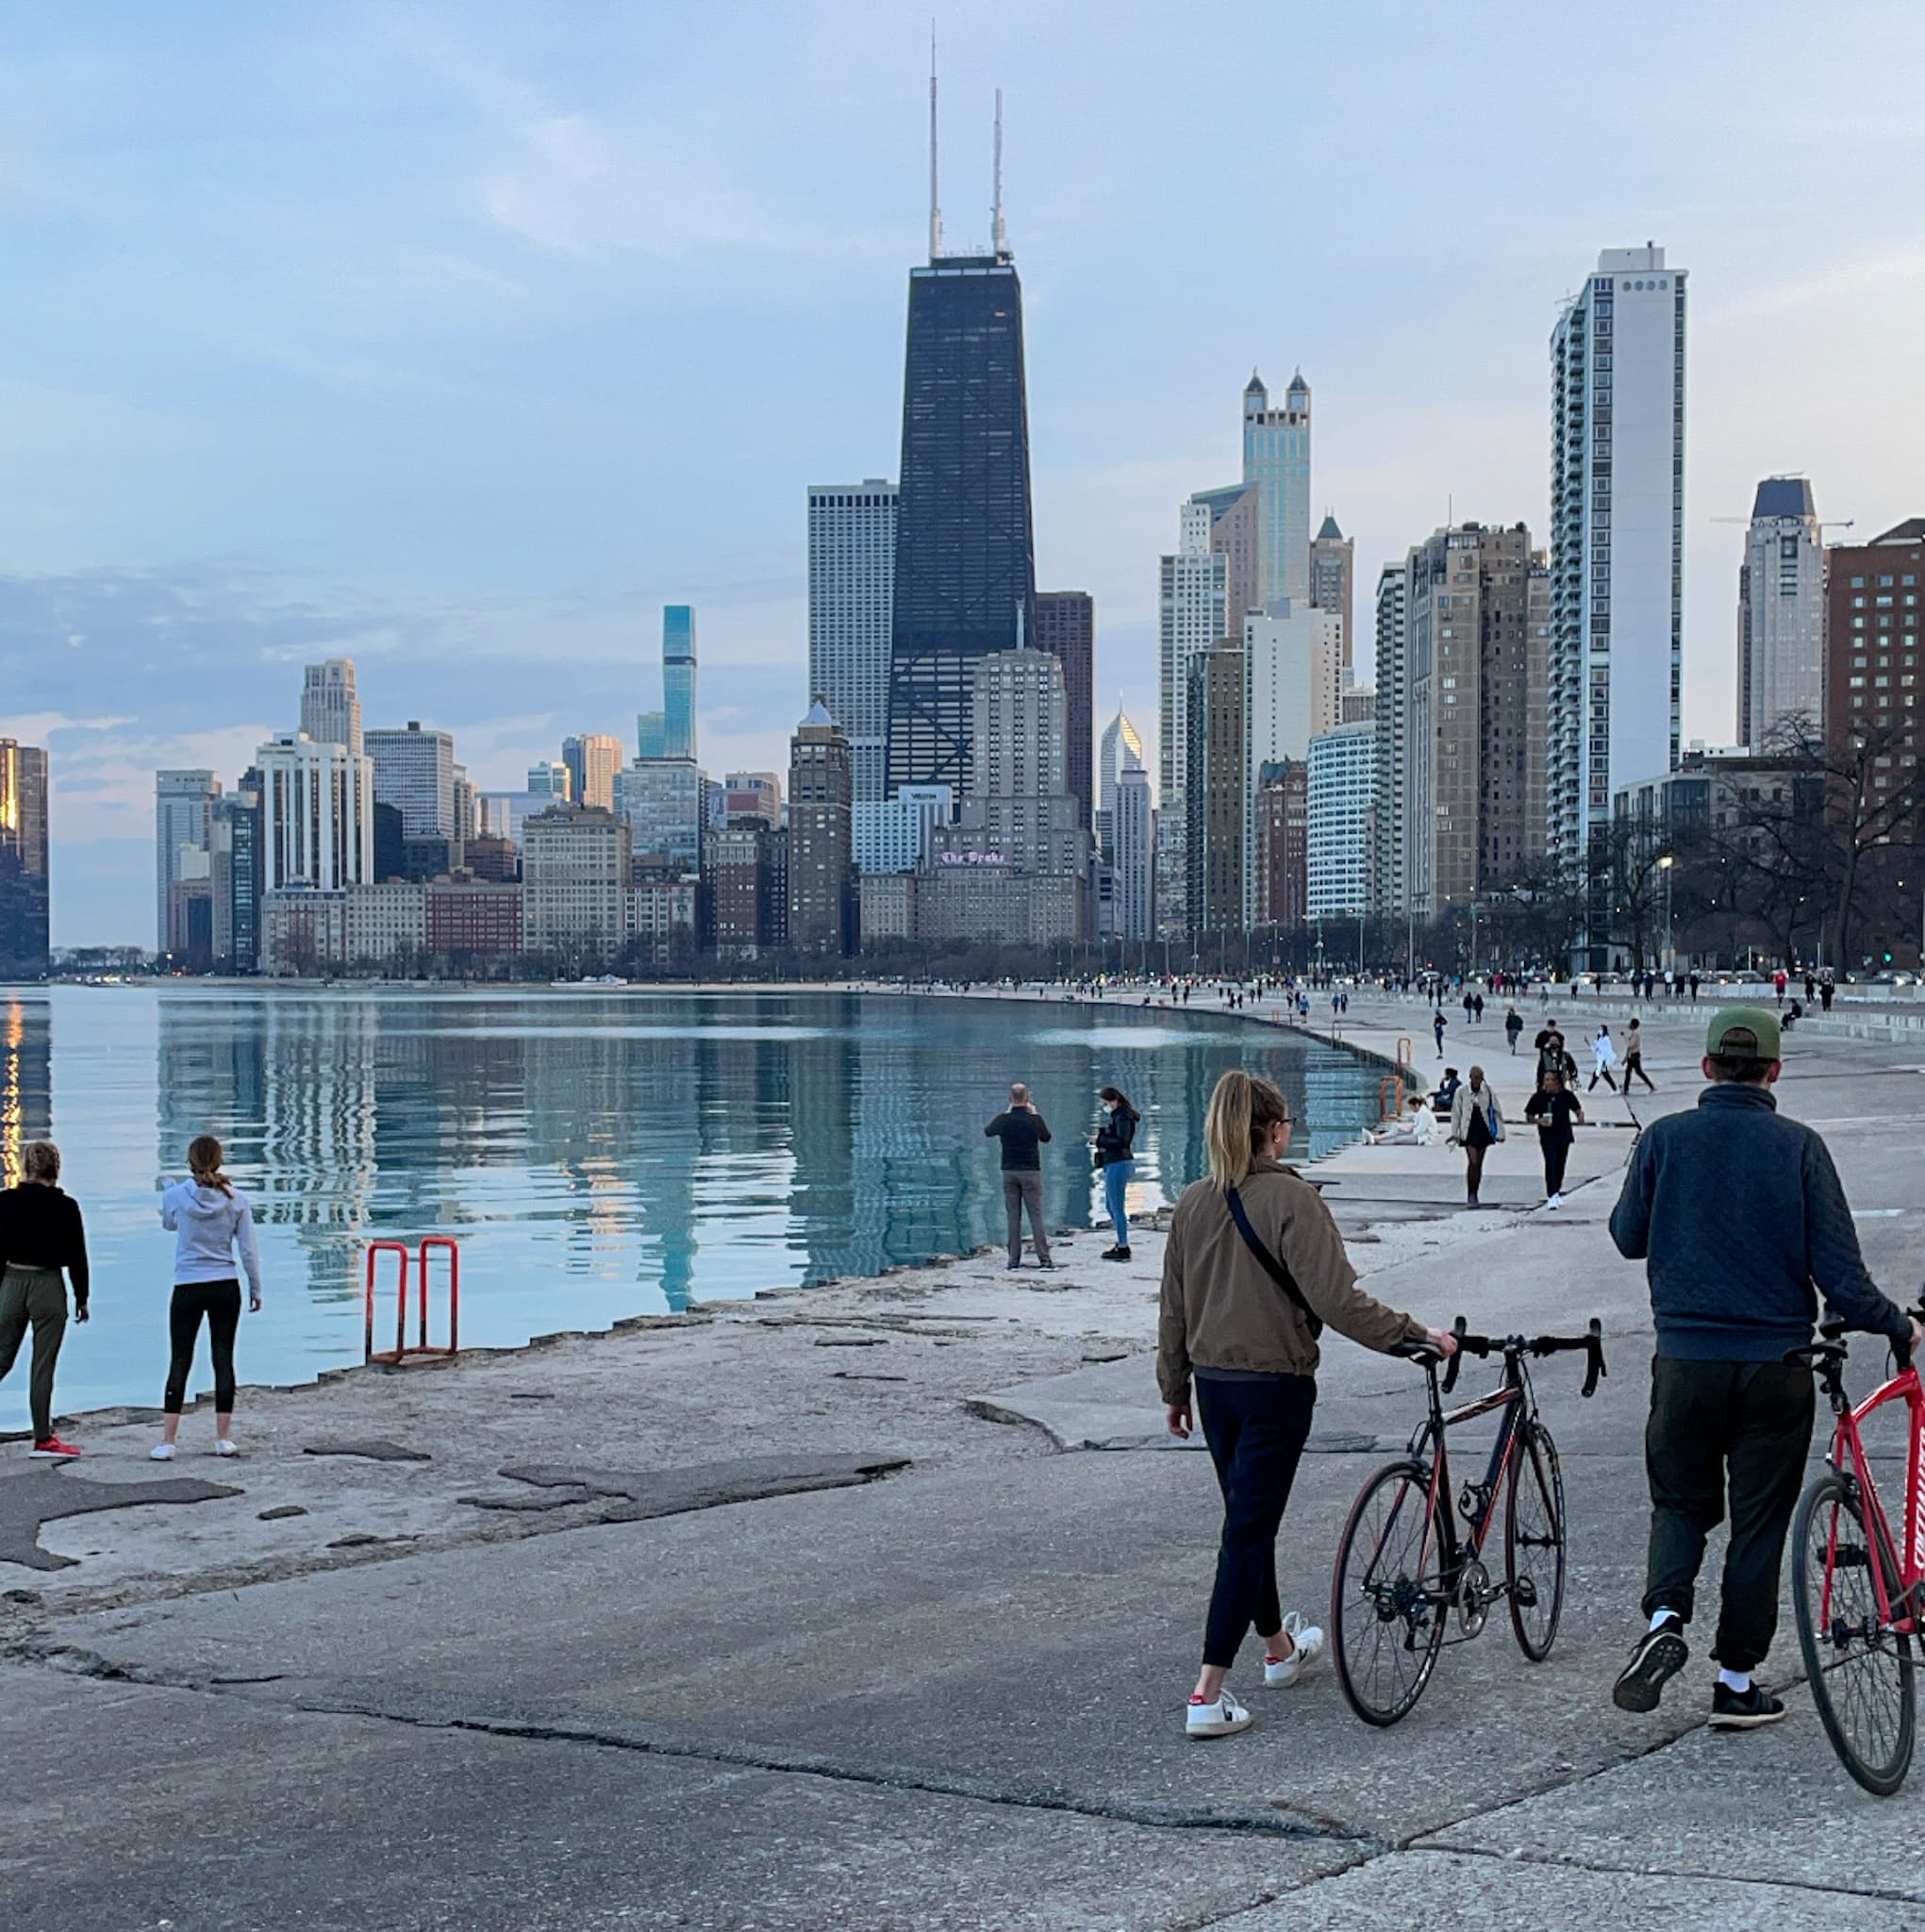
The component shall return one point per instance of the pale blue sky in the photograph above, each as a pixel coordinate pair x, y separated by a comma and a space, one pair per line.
461, 339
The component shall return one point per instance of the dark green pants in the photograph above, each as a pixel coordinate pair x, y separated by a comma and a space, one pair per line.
36, 1295
1743, 1424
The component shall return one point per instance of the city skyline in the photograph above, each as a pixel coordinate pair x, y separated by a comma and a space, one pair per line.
188, 478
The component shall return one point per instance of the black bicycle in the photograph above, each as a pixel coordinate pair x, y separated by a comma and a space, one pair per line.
1403, 1567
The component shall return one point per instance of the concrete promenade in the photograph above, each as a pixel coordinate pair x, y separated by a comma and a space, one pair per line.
874, 1607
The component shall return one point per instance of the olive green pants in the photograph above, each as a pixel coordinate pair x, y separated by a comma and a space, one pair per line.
36, 1295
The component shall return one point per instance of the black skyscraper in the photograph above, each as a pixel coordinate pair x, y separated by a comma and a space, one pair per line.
965, 559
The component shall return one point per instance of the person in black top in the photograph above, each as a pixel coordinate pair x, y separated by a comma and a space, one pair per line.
1554, 1110
41, 1234
1116, 1157
1022, 1130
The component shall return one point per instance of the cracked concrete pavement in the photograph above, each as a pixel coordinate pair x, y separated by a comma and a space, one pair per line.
940, 1695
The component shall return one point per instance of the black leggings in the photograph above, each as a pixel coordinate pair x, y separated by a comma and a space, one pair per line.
1255, 1432
220, 1302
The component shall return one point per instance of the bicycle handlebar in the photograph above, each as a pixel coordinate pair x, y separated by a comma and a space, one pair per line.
1591, 1342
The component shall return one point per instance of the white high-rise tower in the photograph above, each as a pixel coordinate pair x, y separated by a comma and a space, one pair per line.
1192, 595
1616, 543
852, 537
330, 708
1276, 457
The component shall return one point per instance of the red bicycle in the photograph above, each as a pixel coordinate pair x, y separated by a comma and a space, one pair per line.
1858, 1601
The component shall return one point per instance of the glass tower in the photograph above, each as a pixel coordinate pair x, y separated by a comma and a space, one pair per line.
678, 681
965, 575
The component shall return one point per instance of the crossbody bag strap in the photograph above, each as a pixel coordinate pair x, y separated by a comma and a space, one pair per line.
1271, 1265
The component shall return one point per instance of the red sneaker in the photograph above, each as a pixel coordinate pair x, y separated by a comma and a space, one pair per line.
52, 1446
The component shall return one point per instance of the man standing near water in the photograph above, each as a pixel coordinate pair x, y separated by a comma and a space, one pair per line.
1022, 1130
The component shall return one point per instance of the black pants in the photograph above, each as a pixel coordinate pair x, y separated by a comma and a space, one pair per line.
1634, 1070
220, 1302
1747, 1424
1255, 1432
1557, 1152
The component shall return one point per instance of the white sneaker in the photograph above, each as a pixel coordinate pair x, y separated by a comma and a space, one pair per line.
1223, 1719
223, 1446
1555, 1201
1307, 1646
161, 1452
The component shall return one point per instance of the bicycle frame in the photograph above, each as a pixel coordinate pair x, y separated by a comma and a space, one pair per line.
1512, 1395
1898, 1612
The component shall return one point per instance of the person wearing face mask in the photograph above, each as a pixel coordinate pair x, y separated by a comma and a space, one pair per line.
1115, 1142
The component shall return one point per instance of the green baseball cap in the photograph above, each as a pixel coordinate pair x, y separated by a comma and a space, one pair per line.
1745, 1032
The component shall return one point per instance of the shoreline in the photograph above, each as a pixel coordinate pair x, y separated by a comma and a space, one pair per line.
122, 1414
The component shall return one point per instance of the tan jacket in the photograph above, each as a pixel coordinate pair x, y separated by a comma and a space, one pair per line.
1221, 1311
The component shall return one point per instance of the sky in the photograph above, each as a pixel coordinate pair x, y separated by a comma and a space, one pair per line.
459, 340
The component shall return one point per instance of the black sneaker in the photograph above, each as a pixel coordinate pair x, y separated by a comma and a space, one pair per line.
1743, 1710
1661, 1654
1115, 1254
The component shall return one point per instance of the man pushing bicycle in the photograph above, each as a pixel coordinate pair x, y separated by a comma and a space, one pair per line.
1741, 1221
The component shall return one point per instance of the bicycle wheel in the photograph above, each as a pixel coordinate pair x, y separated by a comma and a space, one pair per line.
1533, 1541
1860, 1673
1387, 1606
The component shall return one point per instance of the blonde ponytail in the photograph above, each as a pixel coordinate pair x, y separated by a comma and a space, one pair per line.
1242, 1111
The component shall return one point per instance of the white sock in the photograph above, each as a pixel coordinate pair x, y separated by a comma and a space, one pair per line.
1739, 1681
1658, 1617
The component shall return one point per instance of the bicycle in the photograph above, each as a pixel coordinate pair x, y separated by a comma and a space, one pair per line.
1858, 1605
1402, 1567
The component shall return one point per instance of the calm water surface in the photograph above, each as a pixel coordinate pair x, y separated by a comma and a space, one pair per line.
596, 1154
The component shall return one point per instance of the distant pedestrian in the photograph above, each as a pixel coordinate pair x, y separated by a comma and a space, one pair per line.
1514, 1026
1777, 984
1743, 1228
1633, 1059
1116, 1161
1477, 1124
1694, 988
1827, 989
1556, 1111
1811, 985
1022, 1130
1551, 1057
1252, 1269
1477, 1009
1437, 1025
41, 1238
1603, 1058
210, 1221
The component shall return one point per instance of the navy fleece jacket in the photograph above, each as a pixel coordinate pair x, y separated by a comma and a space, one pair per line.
1740, 1216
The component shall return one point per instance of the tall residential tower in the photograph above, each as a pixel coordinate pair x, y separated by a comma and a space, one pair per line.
1617, 539
851, 541
1276, 457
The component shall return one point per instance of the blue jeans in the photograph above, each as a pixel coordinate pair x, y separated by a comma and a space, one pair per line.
1115, 1177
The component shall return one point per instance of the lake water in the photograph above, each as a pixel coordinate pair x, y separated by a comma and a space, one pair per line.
597, 1155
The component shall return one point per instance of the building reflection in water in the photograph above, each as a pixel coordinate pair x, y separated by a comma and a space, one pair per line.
26, 1082
602, 1156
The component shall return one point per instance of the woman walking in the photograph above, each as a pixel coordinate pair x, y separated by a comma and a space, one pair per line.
211, 1222
1253, 1267
1554, 1111
1633, 1059
1603, 1058
1115, 1159
1477, 1124
41, 1235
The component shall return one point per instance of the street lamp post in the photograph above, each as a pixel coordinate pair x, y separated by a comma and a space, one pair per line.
1664, 865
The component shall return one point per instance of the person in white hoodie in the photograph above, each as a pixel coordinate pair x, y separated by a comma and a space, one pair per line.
211, 1222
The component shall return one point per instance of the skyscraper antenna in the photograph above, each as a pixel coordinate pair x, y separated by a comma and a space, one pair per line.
1000, 240
934, 207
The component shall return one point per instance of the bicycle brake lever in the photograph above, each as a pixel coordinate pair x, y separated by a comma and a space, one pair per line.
1594, 1353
